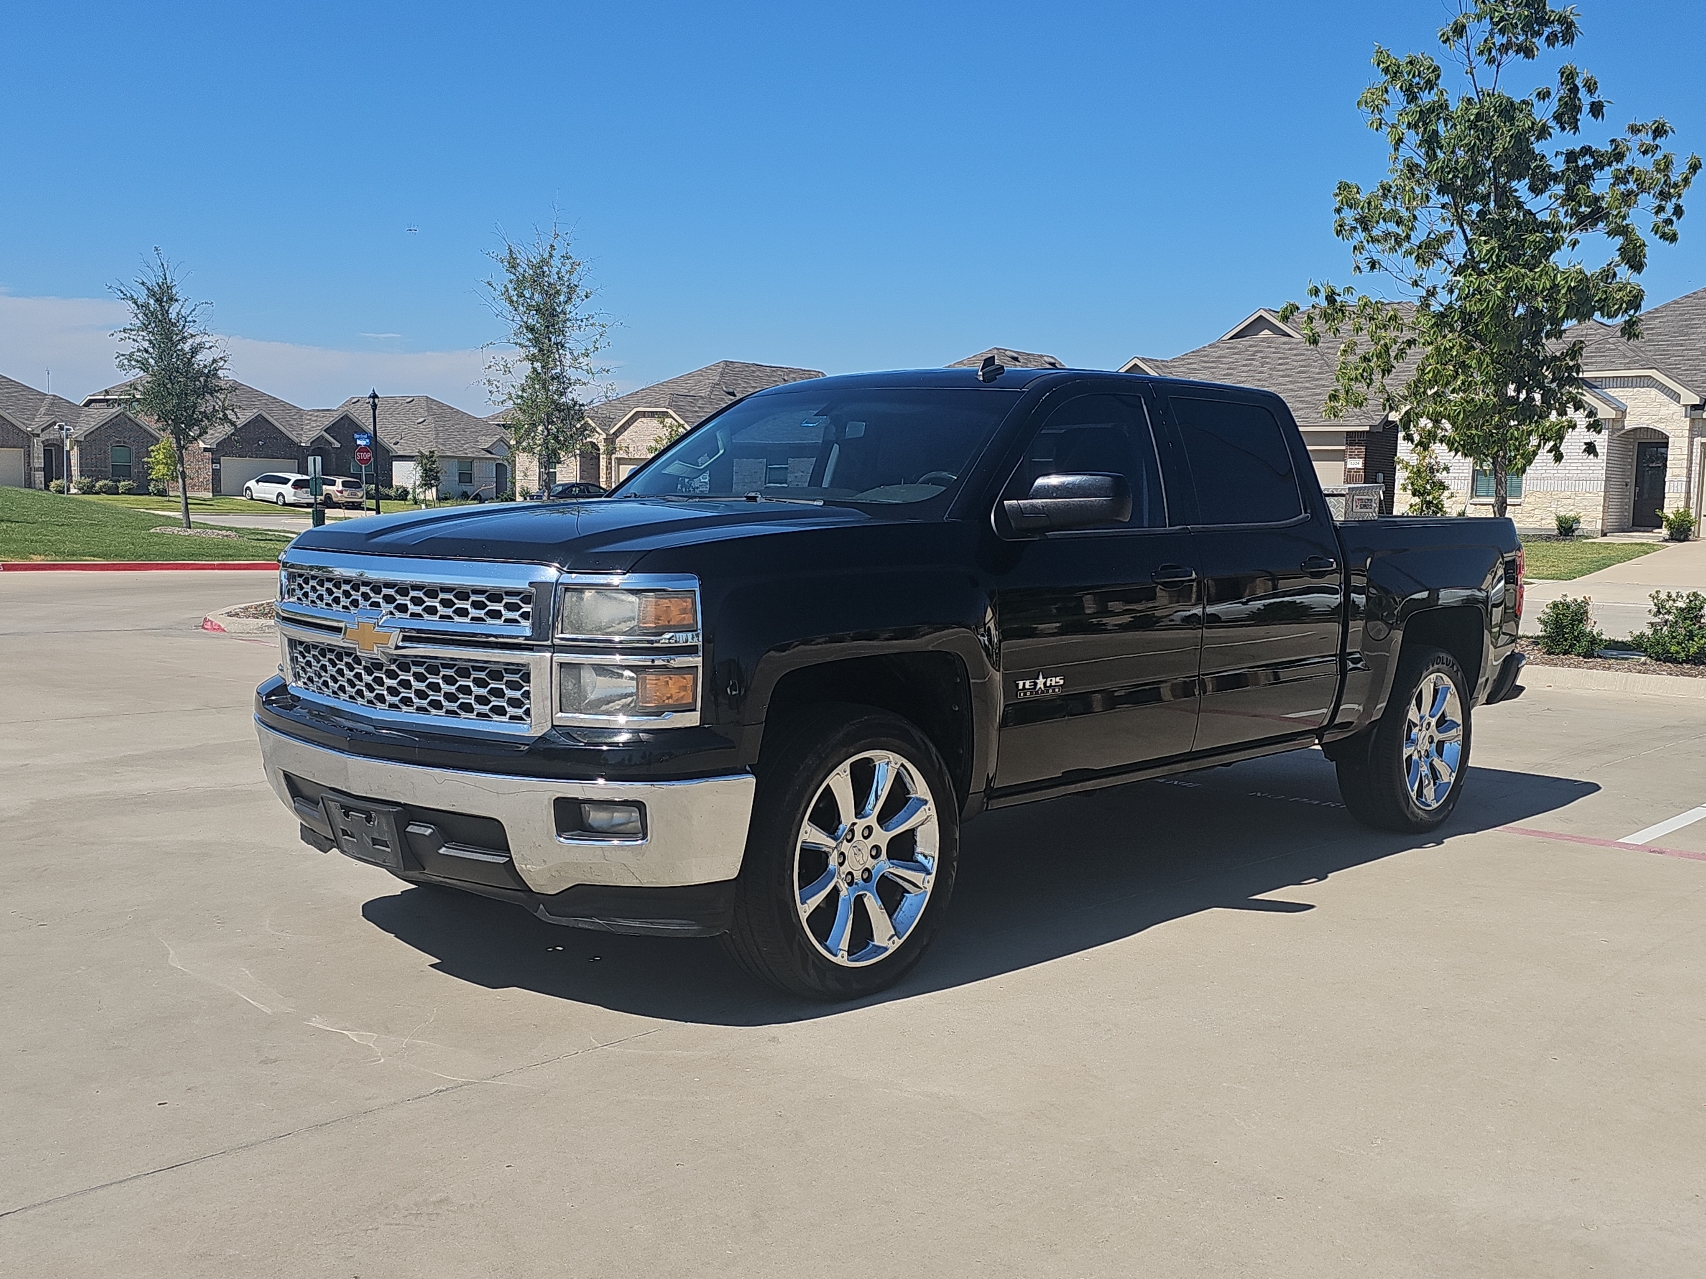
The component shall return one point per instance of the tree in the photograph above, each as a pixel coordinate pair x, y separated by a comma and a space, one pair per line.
428, 473
1424, 482
673, 428
162, 461
541, 294
179, 367
1482, 226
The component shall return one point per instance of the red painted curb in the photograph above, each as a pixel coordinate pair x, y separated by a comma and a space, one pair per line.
135, 566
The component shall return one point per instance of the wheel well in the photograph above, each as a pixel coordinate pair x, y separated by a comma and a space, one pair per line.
1459, 631
931, 690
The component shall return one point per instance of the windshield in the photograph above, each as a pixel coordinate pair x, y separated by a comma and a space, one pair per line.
875, 445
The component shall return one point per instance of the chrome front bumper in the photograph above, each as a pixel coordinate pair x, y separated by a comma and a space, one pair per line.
695, 830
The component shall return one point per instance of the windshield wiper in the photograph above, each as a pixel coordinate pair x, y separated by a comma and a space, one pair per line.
792, 501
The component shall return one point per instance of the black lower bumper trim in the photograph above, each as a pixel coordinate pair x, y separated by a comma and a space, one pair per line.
1504, 683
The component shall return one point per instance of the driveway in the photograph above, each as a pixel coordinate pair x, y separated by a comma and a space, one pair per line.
1621, 593
1205, 1026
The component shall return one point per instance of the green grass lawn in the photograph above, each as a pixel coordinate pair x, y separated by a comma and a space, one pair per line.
47, 526
1560, 561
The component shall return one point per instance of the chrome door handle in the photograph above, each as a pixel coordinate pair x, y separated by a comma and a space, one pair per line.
1173, 575
1318, 564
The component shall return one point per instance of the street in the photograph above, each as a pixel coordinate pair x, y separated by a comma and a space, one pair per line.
1198, 1026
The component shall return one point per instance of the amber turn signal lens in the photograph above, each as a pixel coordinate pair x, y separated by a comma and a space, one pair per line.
667, 611
667, 690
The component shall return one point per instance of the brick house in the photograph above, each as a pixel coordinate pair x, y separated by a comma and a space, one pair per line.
473, 452
104, 441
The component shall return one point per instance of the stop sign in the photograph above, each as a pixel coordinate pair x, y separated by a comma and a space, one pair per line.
363, 455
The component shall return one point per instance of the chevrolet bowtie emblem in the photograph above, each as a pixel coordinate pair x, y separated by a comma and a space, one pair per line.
368, 637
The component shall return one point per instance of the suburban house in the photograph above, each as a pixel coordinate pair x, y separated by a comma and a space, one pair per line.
630, 428
1008, 358
1264, 351
473, 452
38, 429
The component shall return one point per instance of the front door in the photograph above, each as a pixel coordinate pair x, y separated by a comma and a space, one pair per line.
1272, 585
1652, 460
1099, 627
50, 468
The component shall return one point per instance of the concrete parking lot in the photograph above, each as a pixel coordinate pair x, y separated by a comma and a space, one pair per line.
1206, 1026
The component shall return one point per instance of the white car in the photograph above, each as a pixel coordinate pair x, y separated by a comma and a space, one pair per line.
283, 488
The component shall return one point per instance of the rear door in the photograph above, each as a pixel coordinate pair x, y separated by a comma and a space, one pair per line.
1099, 627
1272, 583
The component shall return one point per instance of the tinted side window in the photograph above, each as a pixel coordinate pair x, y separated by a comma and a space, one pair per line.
1107, 434
1240, 465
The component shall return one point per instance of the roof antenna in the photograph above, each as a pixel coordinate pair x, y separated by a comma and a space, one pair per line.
990, 369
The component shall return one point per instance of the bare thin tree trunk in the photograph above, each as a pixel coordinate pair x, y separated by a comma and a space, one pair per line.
183, 487
1501, 473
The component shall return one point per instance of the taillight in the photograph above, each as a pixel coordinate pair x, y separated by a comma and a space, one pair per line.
1521, 564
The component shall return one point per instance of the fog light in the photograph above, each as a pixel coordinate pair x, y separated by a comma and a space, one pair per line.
611, 819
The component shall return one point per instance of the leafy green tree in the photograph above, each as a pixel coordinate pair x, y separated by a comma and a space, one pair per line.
673, 429
179, 367
428, 473
549, 358
163, 461
1490, 204
1424, 482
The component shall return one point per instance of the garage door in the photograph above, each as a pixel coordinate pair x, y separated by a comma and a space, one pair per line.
235, 472
12, 468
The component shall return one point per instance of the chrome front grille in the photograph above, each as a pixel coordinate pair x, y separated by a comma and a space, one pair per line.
413, 601
492, 692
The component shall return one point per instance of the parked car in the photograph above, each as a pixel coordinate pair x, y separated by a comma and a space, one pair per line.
343, 490
757, 692
284, 488
576, 488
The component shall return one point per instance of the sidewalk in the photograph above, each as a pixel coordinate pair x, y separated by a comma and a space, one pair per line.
1620, 593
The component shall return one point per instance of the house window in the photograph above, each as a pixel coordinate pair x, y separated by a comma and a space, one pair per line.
1483, 485
121, 461
465, 471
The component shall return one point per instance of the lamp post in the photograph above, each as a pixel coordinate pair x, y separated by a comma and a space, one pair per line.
65, 454
373, 417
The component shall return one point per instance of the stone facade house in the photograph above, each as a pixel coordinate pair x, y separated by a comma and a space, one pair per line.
629, 429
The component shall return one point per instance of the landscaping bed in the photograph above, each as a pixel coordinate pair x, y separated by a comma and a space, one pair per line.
49, 526
1636, 662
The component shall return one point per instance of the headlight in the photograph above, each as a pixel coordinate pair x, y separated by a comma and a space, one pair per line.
601, 612
612, 690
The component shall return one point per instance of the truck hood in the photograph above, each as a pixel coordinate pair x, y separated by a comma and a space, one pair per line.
603, 535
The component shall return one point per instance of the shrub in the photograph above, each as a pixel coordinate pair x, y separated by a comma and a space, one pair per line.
399, 493
57, 486
1569, 523
157, 488
107, 488
1678, 630
1679, 524
83, 484
127, 488
1566, 628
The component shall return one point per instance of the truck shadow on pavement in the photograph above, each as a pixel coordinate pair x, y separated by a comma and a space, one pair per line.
1035, 884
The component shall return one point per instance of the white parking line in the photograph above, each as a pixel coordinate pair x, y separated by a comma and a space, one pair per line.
1666, 827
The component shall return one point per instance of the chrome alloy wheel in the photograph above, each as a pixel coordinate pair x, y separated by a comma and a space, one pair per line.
1433, 741
866, 858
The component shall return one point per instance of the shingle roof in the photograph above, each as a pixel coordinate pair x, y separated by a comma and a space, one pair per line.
1008, 358
1673, 341
32, 410
410, 423
694, 396
246, 401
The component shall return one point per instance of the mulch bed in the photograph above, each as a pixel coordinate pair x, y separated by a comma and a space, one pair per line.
181, 531
264, 611
1530, 649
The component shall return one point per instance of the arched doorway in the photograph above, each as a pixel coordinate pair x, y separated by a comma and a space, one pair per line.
1652, 465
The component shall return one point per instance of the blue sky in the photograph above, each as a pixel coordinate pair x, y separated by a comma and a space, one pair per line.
834, 186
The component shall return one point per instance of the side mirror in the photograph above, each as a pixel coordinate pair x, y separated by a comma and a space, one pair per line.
1070, 501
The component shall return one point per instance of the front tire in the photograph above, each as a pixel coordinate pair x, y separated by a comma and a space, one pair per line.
1409, 774
851, 855
249, 494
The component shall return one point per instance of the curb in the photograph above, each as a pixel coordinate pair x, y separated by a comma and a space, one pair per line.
137, 566
224, 624
1534, 675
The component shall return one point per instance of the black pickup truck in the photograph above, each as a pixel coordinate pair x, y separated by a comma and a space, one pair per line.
756, 690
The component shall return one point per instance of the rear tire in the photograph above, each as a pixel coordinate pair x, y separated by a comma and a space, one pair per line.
278, 498
850, 857
1410, 772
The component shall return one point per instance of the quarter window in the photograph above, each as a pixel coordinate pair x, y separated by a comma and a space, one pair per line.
121, 461
1098, 434
1240, 465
